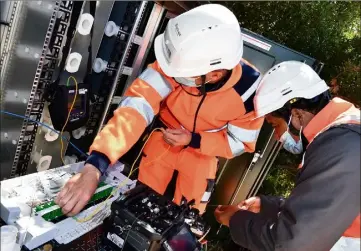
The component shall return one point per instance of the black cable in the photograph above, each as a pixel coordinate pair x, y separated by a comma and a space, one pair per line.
194, 95
203, 91
4, 23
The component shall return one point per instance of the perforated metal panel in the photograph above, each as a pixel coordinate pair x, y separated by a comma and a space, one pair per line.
22, 61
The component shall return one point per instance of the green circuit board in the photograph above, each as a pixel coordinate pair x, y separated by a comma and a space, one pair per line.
50, 211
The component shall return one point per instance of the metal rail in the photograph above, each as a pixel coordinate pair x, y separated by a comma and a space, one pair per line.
121, 65
148, 36
8, 33
255, 158
43, 76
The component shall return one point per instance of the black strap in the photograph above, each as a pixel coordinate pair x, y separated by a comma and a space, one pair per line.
203, 91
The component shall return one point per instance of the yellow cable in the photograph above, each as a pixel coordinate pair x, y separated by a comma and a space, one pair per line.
132, 170
67, 119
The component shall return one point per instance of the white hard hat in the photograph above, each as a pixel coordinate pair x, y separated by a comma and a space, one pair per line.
284, 82
199, 41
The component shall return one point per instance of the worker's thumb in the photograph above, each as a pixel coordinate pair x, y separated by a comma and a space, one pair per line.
243, 207
250, 201
246, 204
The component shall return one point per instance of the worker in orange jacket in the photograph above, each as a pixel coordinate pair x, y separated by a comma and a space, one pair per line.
202, 91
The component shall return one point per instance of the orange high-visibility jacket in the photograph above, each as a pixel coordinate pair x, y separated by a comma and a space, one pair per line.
226, 120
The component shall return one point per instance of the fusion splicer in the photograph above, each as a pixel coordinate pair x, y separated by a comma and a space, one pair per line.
144, 220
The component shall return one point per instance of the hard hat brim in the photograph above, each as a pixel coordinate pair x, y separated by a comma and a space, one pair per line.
162, 61
275, 101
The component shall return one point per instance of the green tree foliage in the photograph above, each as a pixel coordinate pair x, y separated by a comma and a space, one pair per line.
346, 83
327, 31
281, 177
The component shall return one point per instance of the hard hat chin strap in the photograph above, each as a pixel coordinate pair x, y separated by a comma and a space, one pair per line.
203, 87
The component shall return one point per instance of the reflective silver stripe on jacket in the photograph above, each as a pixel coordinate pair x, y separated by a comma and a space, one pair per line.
252, 89
244, 135
157, 81
237, 135
236, 145
234, 142
346, 119
212, 130
141, 105
347, 244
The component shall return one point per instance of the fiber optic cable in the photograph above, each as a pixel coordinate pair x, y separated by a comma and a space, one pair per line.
45, 125
67, 118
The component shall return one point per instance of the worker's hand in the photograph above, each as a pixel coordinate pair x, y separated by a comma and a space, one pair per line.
252, 204
224, 214
78, 190
177, 137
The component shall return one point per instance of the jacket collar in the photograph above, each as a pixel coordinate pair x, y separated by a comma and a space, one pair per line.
325, 117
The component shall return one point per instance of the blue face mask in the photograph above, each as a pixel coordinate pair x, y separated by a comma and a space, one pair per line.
289, 142
191, 82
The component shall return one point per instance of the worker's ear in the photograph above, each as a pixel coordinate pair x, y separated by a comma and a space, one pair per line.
301, 118
215, 76
297, 118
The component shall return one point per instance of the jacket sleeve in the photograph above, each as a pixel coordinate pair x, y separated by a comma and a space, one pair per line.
240, 136
271, 205
323, 204
135, 112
